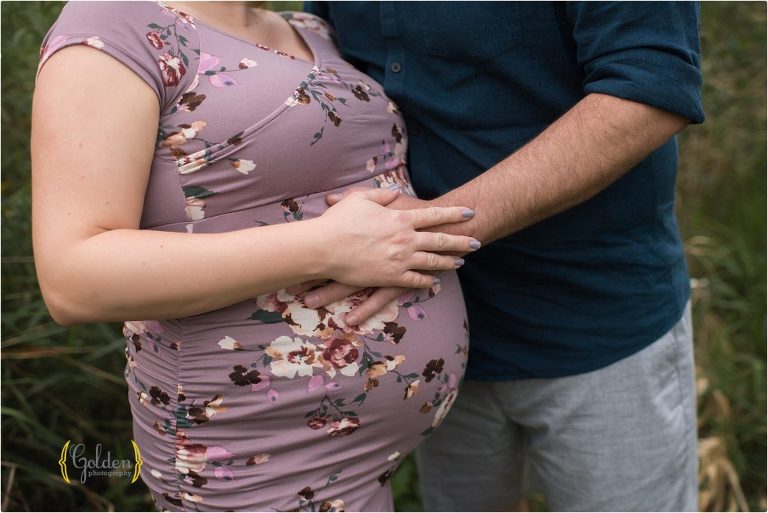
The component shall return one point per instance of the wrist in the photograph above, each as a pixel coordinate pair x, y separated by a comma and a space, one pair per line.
319, 252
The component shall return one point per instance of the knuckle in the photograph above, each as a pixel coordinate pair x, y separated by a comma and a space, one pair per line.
402, 216
432, 260
434, 214
441, 241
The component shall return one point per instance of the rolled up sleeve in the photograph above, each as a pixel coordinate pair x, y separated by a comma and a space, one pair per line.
646, 52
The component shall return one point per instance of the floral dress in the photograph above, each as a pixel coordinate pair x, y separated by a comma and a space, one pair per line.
266, 404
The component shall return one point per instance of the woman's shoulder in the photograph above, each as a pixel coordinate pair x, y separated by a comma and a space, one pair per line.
119, 15
159, 44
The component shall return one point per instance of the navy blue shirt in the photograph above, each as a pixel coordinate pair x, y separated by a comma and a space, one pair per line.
475, 81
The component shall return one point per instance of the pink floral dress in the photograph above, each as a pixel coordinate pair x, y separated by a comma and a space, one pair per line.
266, 404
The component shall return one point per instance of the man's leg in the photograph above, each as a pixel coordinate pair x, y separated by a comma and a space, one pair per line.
473, 461
622, 438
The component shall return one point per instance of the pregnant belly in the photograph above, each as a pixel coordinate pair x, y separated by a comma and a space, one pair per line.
272, 381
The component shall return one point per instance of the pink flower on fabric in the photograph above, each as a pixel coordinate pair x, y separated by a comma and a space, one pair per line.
207, 62
264, 383
273, 395
222, 80
217, 453
416, 312
155, 39
172, 69
224, 473
314, 383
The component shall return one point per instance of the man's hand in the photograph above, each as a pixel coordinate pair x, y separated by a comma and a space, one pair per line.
335, 291
403, 201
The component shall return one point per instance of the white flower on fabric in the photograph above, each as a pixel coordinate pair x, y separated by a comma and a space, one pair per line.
194, 128
292, 357
304, 320
393, 363
194, 209
258, 459
230, 343
242, 166
394, 456
312, 23
247, 63
283, 296
191, 497
445, 406
213, 407
95, 42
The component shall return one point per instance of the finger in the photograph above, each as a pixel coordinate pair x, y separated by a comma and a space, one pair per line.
334, 291
332, 199
373, 305
427, 261
433, 216
381, 196
303, 287
443, 242
416, 280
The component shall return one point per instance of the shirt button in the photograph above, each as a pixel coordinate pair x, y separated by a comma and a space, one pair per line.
395, 67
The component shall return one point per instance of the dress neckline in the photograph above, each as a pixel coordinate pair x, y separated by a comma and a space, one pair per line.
316, 61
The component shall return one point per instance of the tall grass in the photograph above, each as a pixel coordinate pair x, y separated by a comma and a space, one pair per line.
60, 384
722, 208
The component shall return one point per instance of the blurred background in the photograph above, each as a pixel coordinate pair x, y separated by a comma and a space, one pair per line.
63, 384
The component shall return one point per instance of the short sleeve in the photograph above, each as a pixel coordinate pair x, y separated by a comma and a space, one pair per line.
642, 51
159, 45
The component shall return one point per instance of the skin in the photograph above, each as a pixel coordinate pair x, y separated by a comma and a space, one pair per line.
89, 177
580, 154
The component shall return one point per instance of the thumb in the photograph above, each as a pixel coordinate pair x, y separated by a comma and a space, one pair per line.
332, 199
381, 196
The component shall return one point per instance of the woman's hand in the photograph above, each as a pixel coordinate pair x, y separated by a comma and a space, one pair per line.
375, 246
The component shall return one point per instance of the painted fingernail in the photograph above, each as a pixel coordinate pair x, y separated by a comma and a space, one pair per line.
435, 281
350, 319
474, 244
458, 262
467, 213
312, 300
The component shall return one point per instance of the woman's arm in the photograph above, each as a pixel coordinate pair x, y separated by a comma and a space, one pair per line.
93, 137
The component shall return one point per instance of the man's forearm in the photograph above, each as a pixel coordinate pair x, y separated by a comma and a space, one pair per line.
580, 154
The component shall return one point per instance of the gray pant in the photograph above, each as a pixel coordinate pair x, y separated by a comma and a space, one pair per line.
621, 438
